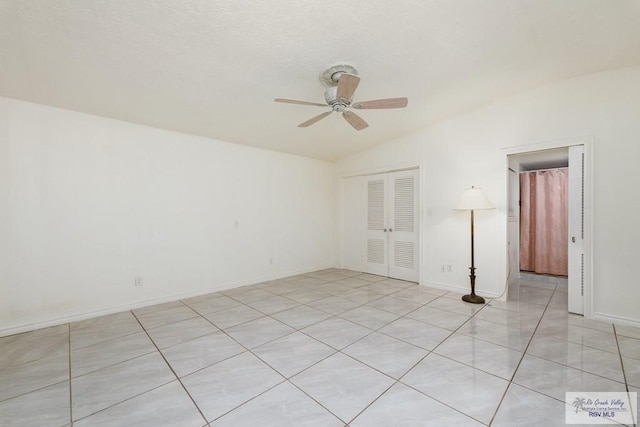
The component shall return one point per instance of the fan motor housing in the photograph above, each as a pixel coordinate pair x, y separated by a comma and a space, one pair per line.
330, 95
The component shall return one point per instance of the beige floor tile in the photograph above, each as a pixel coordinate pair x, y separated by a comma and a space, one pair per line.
224, 386
301, 316
416, 332
48, 406
403, 406
342, 385
106, 353
468, 390
526, 408
336, 332
198, 353
101, 389
233, 316
29, 346
282, 406
179, 332
370, 317
492, 358
293, 353
167, 405
386, 354
553, 379
27, 377
260, 331
121, 325
332, 347
164, 317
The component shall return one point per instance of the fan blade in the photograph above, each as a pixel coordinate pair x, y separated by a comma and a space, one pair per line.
315, 119
347, 86
294, 101
381, 104
355, 120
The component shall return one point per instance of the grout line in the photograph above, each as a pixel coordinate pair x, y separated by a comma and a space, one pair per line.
39, 388
123, 401
173, 371
112, 364
306, 334
250, 350
420, 305
372, 402
247, 401
624, 374
524, 353
373, 330
399, 380
314, 399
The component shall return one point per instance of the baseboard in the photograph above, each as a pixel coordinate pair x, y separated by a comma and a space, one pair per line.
127, 307
616, 319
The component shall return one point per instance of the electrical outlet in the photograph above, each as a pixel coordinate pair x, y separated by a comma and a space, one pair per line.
449, 268
443, 268
271, 261
236, 223
137, 281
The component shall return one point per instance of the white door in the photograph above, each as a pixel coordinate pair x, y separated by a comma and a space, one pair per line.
392, 225
403, 225
377, 252
576, 230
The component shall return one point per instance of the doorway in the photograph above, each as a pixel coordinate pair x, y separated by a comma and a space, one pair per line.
572, 236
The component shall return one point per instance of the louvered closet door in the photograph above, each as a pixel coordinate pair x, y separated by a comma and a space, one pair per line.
391, 246
376, 245
403, 225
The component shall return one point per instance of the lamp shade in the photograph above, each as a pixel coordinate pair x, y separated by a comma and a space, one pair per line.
473, 199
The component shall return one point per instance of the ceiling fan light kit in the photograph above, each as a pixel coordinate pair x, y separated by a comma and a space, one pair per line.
343, 80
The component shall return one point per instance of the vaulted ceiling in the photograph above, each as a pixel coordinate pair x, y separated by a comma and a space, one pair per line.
213, 68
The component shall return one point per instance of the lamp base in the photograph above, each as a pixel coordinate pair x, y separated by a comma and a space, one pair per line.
474, 299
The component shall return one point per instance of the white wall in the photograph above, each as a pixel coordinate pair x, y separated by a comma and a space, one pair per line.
89, 203
467, 150
353, 224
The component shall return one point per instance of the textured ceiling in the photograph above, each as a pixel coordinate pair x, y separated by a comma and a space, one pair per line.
212, 68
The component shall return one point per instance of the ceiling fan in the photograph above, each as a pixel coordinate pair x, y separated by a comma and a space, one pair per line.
343, 81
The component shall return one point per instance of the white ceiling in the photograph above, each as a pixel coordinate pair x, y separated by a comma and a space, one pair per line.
212, 68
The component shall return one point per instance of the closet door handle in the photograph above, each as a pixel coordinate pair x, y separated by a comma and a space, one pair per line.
391, 230
385, 230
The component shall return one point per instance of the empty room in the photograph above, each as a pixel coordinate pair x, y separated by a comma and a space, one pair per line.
330, 213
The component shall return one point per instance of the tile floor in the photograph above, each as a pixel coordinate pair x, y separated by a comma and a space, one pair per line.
330, 348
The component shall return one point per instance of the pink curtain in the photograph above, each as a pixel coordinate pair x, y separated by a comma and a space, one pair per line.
543, 221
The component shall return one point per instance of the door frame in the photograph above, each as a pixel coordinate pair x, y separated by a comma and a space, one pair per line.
419, 166
587, 143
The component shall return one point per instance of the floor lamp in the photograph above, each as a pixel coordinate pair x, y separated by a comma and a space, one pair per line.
473, 199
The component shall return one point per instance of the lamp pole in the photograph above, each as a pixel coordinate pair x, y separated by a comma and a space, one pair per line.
473, 199
473, 298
